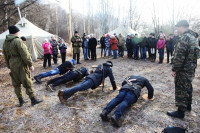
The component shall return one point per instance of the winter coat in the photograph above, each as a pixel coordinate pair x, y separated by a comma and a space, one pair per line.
137, 85
102, 41
62, 48
99, 75
85, 43
121, 41
64, 67
47, 48
82, 72
92, 43
107, 41
152, 43
174, 41
54, 45
128, 43
76, 44
144, 42
169, 45
136, 41
161, 44
113, 43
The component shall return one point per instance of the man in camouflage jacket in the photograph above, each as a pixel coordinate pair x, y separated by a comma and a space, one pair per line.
76, 44
184, 65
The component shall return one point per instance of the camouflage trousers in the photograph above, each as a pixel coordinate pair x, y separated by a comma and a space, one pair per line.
183, 89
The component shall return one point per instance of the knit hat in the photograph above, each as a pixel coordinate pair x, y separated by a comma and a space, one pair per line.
75, 32
23, 38
13, 29
183, 23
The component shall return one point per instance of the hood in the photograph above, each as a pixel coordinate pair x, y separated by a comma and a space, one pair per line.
192, 33
10, 37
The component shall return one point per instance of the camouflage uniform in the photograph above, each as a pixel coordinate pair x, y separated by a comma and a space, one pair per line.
184, 64
18, 60
76, 47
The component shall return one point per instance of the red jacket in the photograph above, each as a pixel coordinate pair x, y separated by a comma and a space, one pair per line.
113, 43
161, 44
47, 48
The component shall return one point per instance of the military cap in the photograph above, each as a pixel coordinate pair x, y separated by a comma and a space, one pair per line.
182, 23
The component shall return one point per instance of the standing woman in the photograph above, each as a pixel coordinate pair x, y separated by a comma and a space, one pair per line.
63, 50
47, 53
160, 47
54, 44
113, 43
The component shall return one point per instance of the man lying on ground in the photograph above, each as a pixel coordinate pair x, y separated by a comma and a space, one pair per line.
91, 81
75, 75
128, 95
61, 69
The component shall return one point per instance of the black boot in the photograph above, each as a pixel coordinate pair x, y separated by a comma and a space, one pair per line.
104, 116
115, 121
21, 102
177, 114
38, 79
35, 101
159, 61
189, 107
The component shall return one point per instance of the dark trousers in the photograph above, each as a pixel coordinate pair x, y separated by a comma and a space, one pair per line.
71, 75
47, 57
169, 52
89, 52
63, 55
130, 52
102, 51
76, 56
121, 51
84, 85
161, 53
55, 58
93, 54
125, 99
149, 52
143, 51
136, 52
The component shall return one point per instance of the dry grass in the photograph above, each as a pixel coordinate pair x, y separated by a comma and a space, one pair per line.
81, 113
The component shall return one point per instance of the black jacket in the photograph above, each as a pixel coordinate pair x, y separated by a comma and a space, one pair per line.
144, 42
137, 85
169, 45
64, 67
92, 44
82, 72
54, 44
128, 43
98, 75
153, 43
102, 41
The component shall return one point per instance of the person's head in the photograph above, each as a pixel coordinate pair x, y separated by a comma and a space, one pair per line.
115, 34
152, 35
107, 35
14, 30
175, 33
76, 33
168, 38
53, 37
112, 36
23, 39
46, 40
103, 35
182, 26
136, 35
120, 35
85, 36
161, 36
132, 35
91, 35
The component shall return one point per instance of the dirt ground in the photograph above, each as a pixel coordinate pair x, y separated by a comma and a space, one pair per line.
81, 113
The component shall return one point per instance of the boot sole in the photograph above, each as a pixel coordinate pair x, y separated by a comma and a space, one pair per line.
104, 118
60, 96
114, 122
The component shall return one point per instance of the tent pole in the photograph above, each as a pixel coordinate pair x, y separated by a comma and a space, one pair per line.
20, 15
70, 28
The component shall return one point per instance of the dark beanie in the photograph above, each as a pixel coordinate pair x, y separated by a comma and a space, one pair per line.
75, 32
13, 29
183, 23
23, 38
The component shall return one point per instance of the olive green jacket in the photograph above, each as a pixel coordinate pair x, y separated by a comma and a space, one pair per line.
76, 44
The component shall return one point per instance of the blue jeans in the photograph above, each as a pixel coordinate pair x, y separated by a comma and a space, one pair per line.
161, 53
136, 52
143, 53
125, 98
71, 75
115, 54
85, 53
109, 51
55, 71
84, 85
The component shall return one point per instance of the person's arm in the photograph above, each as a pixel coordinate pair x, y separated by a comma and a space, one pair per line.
23, 51
6, 58
149, 88
112, 79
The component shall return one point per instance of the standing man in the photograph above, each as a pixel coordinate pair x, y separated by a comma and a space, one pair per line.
121, 46
19, 61
103, 46
107, 44
136, 41
85, 46
92, 45
76, 44
128, 46
183, 68
54, 49
143, 48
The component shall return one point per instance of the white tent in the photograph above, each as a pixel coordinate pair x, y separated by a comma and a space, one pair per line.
34, 35
123, 30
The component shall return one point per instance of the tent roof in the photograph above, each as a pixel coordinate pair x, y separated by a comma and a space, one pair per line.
28, 30
123, 30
